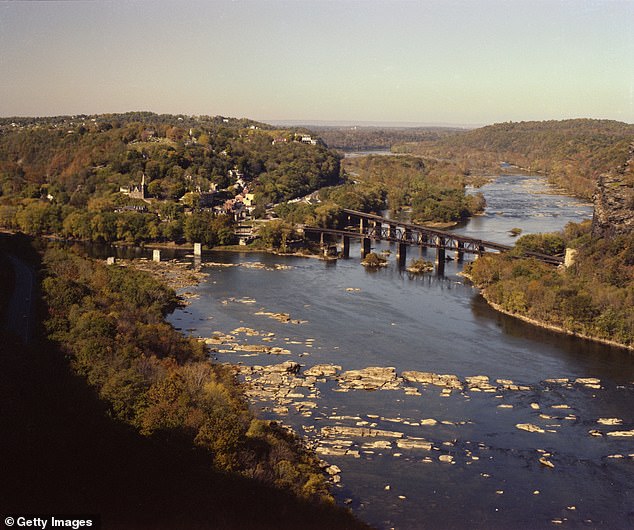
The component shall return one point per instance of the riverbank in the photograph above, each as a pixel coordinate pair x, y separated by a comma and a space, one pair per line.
543, 324
552, 327
179, 276
208, 411
174, 273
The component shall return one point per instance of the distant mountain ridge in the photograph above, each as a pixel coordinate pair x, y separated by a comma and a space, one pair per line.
573, 153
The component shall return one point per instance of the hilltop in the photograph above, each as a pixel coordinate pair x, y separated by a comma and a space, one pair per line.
131, 176
572, 153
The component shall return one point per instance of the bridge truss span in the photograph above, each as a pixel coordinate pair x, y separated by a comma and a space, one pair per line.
371, 227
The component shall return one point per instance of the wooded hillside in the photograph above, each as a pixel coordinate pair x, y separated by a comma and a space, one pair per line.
70, 176
573, 153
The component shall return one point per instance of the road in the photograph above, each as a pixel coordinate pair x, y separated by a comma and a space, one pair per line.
20, 318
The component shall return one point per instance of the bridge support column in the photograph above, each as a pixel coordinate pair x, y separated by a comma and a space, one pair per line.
440, 250
377, 229
391, 231
481, 250
345, 250
361, 226
401, 254
366, 246
460, 251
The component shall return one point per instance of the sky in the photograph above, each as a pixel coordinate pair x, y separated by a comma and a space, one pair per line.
452, 62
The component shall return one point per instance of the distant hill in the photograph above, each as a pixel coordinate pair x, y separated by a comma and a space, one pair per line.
573, 153
100, 153
86, 176
364, 138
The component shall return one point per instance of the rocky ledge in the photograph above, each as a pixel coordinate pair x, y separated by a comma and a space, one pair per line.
614, 201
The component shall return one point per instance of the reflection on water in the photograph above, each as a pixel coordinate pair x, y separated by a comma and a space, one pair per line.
481, 470
437, 324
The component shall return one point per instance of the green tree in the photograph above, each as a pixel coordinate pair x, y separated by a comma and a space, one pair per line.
275, 234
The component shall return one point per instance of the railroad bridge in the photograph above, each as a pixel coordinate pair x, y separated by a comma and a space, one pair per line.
369, 227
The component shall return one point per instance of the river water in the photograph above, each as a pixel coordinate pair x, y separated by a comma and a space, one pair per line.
481, 471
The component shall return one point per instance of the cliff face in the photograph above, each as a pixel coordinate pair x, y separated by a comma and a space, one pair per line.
614, 201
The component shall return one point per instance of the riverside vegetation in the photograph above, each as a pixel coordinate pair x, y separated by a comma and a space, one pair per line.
572, 153
434, 192
150, 443
594, 297
109, 320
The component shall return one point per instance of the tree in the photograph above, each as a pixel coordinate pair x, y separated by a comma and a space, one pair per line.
199, 228
103, 227
328, 215
551, 244
275, 234
78, 225
38, 217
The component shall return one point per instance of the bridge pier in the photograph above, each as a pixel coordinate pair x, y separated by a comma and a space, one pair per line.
377, 230
401, 254
460, 251
373, 227
345, 247
366, 247
440, 250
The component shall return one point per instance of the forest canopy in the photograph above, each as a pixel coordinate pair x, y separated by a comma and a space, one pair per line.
109, 322
72, 176
593, 297
572, 153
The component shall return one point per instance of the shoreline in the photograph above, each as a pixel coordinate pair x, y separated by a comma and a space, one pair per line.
541, 323
553, 327
226, 248
196, 277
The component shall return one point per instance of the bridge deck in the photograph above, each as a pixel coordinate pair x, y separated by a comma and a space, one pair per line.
411, 234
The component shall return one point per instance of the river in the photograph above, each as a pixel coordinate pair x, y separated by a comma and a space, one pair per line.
480, 470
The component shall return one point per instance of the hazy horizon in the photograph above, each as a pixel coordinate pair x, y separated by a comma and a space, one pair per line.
454, 63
